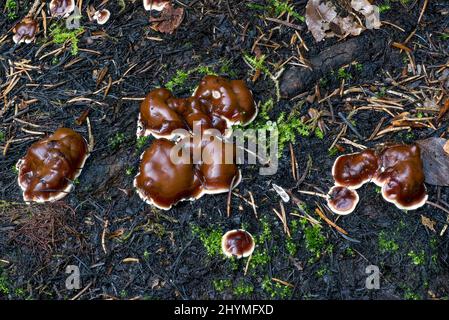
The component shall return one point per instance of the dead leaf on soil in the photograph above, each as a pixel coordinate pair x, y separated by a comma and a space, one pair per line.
428, 223
323, 21
169, 20
435, 161
446, 147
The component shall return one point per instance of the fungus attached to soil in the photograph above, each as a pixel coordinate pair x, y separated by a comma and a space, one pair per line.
237, 243
230, 99
61, 8
157, 5
51, 165
163, 181
397, 169
402, 176
25, 30
354, 170
218, 172
102, 16
217, 104
342, 200
161, 114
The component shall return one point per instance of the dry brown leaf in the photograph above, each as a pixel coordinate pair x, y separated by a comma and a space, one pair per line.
371, 13
435, 161
323, 21
428, 223
169, 20
318, 17
446, 147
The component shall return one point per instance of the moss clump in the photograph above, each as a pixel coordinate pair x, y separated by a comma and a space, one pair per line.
210, 238
61, 35
387, 245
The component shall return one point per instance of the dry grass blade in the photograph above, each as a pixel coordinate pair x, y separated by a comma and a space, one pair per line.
330, 222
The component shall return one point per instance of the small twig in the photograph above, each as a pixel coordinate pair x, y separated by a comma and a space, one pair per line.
293, 162
247, 265
285, 23
82, 292
349, 124
305, 173
284, 219
228, 206
253, 204
91, 136
330, 222
426, 2
312, 193
103, 236
33, 8
436, 205
285, 283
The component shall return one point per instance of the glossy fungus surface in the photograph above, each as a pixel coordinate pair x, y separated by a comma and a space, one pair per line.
50, 165
237, 243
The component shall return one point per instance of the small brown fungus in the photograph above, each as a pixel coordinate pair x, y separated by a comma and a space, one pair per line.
218, 171
237, 243
51, 165
402, 176
354, 170
157, 5
230, 99
25, 30
102, 16
217, 104
61, 8
161, 182
342, 200
169, 173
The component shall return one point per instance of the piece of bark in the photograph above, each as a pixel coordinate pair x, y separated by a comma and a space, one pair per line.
296, 80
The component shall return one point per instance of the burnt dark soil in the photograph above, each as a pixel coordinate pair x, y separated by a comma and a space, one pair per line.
127, 249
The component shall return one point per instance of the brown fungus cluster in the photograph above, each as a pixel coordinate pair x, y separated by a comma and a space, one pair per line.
47, 171
166, 176
217, 103
202, 162
397, 169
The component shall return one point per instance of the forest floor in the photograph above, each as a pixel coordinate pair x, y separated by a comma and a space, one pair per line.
126, 249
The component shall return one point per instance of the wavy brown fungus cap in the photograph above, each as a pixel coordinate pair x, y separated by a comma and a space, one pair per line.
218, 172
342, 200
161, 113
230, 99
402, 176
51, 164
25, 30
157, 5
61, 8
237, 243
102, 16
353, 170
163, 182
